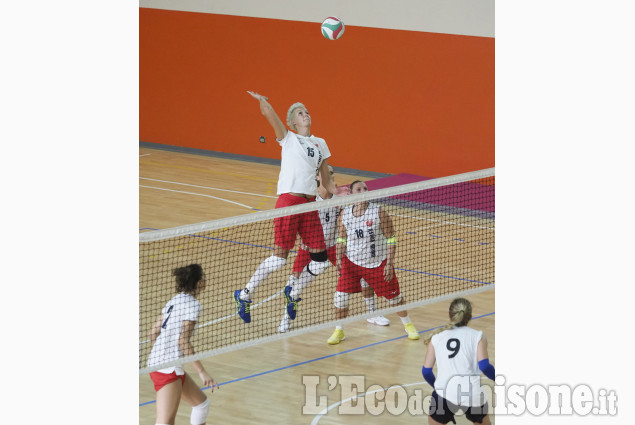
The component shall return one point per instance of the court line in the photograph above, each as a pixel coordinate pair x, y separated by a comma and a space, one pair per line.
144, 154
197, 194
202, 170
317, 417
210, 188
322, 358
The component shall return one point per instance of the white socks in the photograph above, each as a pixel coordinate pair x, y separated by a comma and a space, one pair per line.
370, 303
268, 266
307, 277
405, 320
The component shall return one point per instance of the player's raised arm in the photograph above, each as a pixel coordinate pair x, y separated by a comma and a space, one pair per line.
270, 114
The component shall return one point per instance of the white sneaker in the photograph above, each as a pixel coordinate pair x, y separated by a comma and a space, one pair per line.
285, 325
378, 320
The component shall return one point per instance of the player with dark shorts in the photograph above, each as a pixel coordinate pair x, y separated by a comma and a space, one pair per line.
461, 355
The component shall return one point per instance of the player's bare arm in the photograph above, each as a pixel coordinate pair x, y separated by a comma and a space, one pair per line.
270, 114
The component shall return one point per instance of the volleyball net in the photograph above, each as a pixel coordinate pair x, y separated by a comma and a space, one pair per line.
445, 248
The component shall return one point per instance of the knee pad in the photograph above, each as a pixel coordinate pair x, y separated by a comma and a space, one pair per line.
319, 262
199, 413
395, 300
341, 299
319, 256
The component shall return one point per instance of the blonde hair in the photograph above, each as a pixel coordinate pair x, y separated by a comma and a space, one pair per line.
460, 314
290, 113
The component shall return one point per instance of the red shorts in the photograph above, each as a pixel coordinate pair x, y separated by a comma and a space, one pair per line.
349, 281
303, 258
307, 225
162, 379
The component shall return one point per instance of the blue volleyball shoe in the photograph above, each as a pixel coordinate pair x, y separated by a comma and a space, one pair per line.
292, 305
242, 307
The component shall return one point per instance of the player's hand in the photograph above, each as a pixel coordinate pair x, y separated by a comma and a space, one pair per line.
342, 191
257, 96
388, 272
208, 381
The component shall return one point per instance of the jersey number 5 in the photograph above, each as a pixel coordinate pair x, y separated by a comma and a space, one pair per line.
453, 345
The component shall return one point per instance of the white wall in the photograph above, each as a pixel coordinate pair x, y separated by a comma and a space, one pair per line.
463, 17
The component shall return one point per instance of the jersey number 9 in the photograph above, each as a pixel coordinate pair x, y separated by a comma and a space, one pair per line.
453, 345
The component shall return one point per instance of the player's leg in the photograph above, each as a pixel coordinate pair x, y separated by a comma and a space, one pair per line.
168, 398
300, 262
340, 311
286, 229
195, 397
310, 229
369, 299
347, 283
392, 293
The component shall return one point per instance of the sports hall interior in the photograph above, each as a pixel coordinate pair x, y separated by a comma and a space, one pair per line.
395, 105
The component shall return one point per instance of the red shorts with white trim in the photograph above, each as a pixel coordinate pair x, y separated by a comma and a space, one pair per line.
303, 258
308, 225
162, 379
349, 280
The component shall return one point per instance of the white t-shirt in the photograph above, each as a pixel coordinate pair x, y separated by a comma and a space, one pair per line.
459, 378
366, 245
328, 217
301, 159
166, 348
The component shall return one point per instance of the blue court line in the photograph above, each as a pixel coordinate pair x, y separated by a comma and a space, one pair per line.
321, 358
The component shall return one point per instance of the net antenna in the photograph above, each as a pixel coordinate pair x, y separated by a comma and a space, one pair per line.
445, 231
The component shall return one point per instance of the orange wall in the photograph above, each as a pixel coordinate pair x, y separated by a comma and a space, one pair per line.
386, 101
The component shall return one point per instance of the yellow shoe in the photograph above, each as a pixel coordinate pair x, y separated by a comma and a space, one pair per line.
337, 336
412, 332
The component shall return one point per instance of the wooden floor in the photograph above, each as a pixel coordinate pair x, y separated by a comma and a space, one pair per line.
264, 384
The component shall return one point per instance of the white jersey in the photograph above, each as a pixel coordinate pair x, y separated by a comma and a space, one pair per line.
459, 378
328, 218
180, 308
301, 159
366, 244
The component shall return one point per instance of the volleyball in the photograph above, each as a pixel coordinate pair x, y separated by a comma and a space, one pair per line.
332, 28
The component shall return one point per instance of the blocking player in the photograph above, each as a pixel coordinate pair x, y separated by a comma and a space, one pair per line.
366, 248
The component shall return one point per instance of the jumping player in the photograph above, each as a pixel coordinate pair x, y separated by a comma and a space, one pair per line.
367, 238
303, 156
